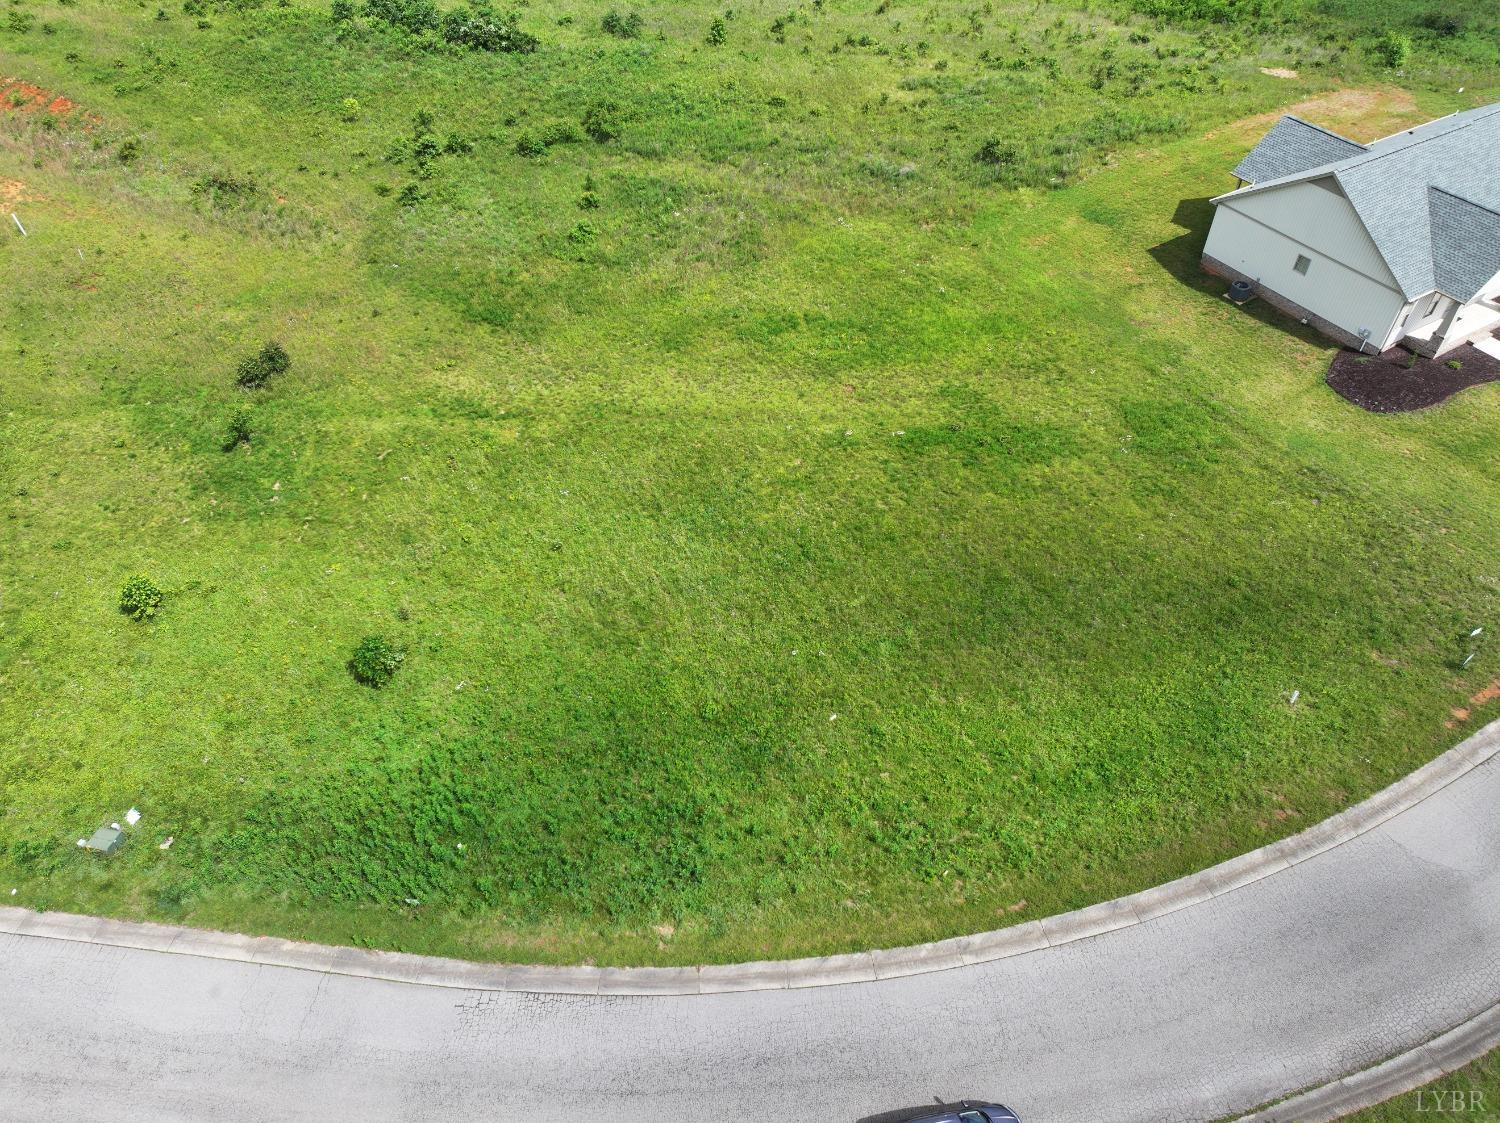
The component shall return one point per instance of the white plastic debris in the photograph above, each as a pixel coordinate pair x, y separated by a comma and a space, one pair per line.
83, 842
132, 816
412, 901
833, 717
167, 845
13, 892
114, 826
1295, 695
1475, 632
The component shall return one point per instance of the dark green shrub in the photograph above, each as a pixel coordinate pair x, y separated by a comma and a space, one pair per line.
238, 431
535, 142
529, 144
414, 16
140, 598
603, 120
1454, 364
410, 195
1210, 11
342, 11
484, 29
718, 34
129, 152
998, 153
628, 26
1445, 23
375, 661
582, 234
256, 370
456, 145
221, 188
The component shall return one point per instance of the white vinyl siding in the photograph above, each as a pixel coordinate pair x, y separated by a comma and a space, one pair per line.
1321, 220
1331, 289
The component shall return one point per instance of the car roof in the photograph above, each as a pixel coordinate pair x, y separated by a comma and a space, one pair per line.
996, 1112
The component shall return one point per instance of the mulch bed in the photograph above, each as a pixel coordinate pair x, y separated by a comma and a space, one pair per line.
1391, 383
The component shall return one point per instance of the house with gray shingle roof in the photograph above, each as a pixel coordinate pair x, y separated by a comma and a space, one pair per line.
1392, 242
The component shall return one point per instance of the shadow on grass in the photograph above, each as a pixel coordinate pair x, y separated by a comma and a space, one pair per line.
1182, 258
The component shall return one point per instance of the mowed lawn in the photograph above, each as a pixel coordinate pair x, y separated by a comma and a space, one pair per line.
792, 553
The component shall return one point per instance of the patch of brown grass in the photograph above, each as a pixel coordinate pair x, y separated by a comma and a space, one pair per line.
1359, 114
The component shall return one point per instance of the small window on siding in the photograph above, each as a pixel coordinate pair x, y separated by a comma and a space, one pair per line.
1303, 262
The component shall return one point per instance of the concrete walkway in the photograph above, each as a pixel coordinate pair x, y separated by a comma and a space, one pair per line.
1367, 936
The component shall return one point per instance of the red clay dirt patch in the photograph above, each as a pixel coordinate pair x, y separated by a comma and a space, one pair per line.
1396, 381
28, 98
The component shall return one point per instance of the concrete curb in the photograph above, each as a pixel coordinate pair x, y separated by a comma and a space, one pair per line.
833, 970
1401, 1074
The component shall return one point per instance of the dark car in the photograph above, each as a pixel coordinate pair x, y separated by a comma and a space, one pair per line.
967, 1112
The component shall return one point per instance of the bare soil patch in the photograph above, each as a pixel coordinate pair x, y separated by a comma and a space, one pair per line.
1359, 114
29, 98
1397, 381
1279, 72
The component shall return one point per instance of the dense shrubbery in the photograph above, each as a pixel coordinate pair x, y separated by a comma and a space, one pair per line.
256, 370
140, 598
628, 26
1210, 11
1393, 49
238, 430
375, 661
477, 28
535, 142
603, 120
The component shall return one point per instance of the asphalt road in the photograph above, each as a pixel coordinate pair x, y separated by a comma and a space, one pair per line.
1323, 968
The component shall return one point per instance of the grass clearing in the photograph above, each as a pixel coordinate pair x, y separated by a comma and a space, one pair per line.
824, 538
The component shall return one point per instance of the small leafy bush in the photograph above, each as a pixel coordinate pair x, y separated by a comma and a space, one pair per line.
589, 200
221, 188
238, 431
1393, 49
140, 598
256, 370
129, 151
530, 145
536, 142
375, 661
718, 34
604, 120
628, 26
997, 153
342, 11
1454, 364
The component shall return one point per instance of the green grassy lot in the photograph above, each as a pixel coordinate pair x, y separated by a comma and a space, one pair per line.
1471, 1094
829, 539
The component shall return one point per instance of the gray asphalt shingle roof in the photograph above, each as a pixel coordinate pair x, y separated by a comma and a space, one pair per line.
1447, 238
1293, 146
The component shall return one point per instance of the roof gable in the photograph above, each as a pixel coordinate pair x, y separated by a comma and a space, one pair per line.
1294, 146
1389, 184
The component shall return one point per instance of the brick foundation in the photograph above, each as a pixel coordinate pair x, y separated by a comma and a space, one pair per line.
1291, 308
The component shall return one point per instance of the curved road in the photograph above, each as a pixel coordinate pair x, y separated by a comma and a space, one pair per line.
1383, 936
